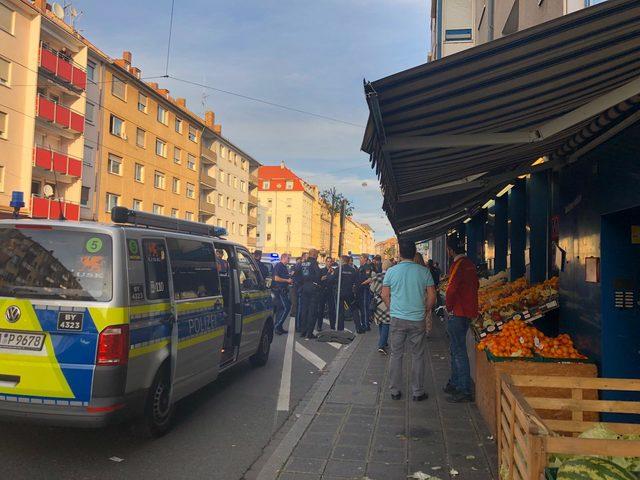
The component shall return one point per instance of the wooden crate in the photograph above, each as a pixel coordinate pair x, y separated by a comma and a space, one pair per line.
488, 375
525, 440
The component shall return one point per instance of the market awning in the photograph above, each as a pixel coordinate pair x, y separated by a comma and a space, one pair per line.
445, 135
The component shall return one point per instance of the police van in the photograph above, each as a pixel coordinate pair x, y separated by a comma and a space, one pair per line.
102, 322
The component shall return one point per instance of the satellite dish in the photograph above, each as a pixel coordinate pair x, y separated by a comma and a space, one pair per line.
58, 11
47, 190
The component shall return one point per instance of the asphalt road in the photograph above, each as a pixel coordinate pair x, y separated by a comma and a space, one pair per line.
218, 433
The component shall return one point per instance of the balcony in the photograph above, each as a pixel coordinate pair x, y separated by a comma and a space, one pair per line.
208, 156
253, 179
54, 209
252, 242
59, 115
252, 220
64, 71
207, 182
253, 200
206, 207
57, 162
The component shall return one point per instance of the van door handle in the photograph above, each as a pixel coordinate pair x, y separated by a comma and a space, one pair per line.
9, 381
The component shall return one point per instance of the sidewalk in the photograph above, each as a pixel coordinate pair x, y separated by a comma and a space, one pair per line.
359, 432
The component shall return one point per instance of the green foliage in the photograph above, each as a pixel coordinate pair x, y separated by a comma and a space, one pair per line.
334, 200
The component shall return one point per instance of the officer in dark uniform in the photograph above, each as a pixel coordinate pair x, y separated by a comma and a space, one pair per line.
296, 291
364, 293
264, 270
348, 285
327, 296
308, 277
280, 288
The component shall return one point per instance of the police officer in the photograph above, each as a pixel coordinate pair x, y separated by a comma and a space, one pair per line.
327, 299
264, 270
280, 288
308, 279
296, 291
364, 293
348, 285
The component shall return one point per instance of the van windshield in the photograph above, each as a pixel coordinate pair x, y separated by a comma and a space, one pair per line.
44, 262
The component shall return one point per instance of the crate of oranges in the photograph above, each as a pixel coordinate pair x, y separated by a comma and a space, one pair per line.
518, 340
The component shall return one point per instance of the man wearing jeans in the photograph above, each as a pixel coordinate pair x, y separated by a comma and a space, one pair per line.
409, 291
462, 305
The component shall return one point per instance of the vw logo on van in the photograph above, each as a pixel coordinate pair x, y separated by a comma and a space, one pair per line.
12, 314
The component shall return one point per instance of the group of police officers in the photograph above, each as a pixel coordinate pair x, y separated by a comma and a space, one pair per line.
314, 290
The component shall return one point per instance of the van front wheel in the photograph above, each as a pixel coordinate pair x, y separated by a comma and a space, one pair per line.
158, 412
260, 358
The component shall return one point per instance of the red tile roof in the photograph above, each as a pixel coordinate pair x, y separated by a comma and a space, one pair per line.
277, 176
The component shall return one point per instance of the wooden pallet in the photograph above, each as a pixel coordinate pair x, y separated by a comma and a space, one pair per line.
525, 439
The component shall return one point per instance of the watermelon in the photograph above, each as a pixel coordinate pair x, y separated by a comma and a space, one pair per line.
593, 468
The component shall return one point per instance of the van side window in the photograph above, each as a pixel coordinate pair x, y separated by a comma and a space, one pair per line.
247, 272
155, 269
193, 266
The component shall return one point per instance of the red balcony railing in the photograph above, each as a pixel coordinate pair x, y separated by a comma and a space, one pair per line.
58, 162
54, 209
63, 69
59, 114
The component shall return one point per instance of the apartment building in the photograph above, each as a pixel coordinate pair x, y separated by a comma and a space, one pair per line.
42, 106
228, 181
149, 156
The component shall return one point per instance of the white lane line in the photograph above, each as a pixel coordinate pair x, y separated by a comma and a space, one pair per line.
284, 394
310, 356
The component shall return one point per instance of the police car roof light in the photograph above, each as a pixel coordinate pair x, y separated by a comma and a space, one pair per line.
144, 219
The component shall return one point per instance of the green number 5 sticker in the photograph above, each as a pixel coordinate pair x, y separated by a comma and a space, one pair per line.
94, 245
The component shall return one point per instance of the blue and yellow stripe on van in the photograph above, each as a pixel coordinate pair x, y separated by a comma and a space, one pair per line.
256, 306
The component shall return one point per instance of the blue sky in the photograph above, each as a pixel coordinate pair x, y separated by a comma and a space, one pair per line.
311, 55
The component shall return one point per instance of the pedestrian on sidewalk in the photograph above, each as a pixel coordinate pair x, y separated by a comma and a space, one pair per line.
363, 294
462, 306
409, 292
280, 287
308, 277
380, 310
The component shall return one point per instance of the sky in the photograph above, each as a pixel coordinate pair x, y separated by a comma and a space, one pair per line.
309, 55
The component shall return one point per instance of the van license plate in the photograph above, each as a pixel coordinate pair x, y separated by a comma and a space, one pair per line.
21, 340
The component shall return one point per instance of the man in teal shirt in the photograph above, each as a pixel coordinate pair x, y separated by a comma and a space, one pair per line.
409, 292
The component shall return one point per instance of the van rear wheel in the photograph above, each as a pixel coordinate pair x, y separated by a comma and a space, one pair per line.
260, 358
158, 412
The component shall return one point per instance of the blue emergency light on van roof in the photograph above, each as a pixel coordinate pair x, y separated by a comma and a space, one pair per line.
144, 219
17, 199
274, 255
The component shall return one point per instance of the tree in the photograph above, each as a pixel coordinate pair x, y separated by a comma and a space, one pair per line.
333, 200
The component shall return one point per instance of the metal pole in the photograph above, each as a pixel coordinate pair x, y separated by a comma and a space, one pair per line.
338, 291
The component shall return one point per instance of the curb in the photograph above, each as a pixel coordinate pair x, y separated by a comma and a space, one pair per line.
283, 451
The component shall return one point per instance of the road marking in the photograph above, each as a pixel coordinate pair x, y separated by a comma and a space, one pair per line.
335, 345
310, 356
285, 380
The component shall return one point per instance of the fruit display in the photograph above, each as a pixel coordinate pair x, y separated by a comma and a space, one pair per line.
593, 468
518, 339
501, 301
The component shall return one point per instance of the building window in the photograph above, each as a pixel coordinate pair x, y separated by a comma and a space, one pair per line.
221, 176
191, 190
87, 158
118, 87
243, 207
268, 236
142, 102
229, 203
228, 180
138, 172
158, 180
163, 115
6, 18
161, 148
116, 126
188, 216
174, 213
91, 70
235, 182
243, 186
114, 164
89, 112
112, 201
193, 133
288, 219
289, 202
4, 124
288, 185
158, 209
266, 185
191, 162
84, 195
269, 220
178, 125
141, 137
234, 204
175, 186
177, 155
220, 200
137, 204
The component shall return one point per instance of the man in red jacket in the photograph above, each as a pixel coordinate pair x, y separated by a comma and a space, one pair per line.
462, 305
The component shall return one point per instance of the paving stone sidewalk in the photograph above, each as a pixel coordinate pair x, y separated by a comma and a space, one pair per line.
360, 432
